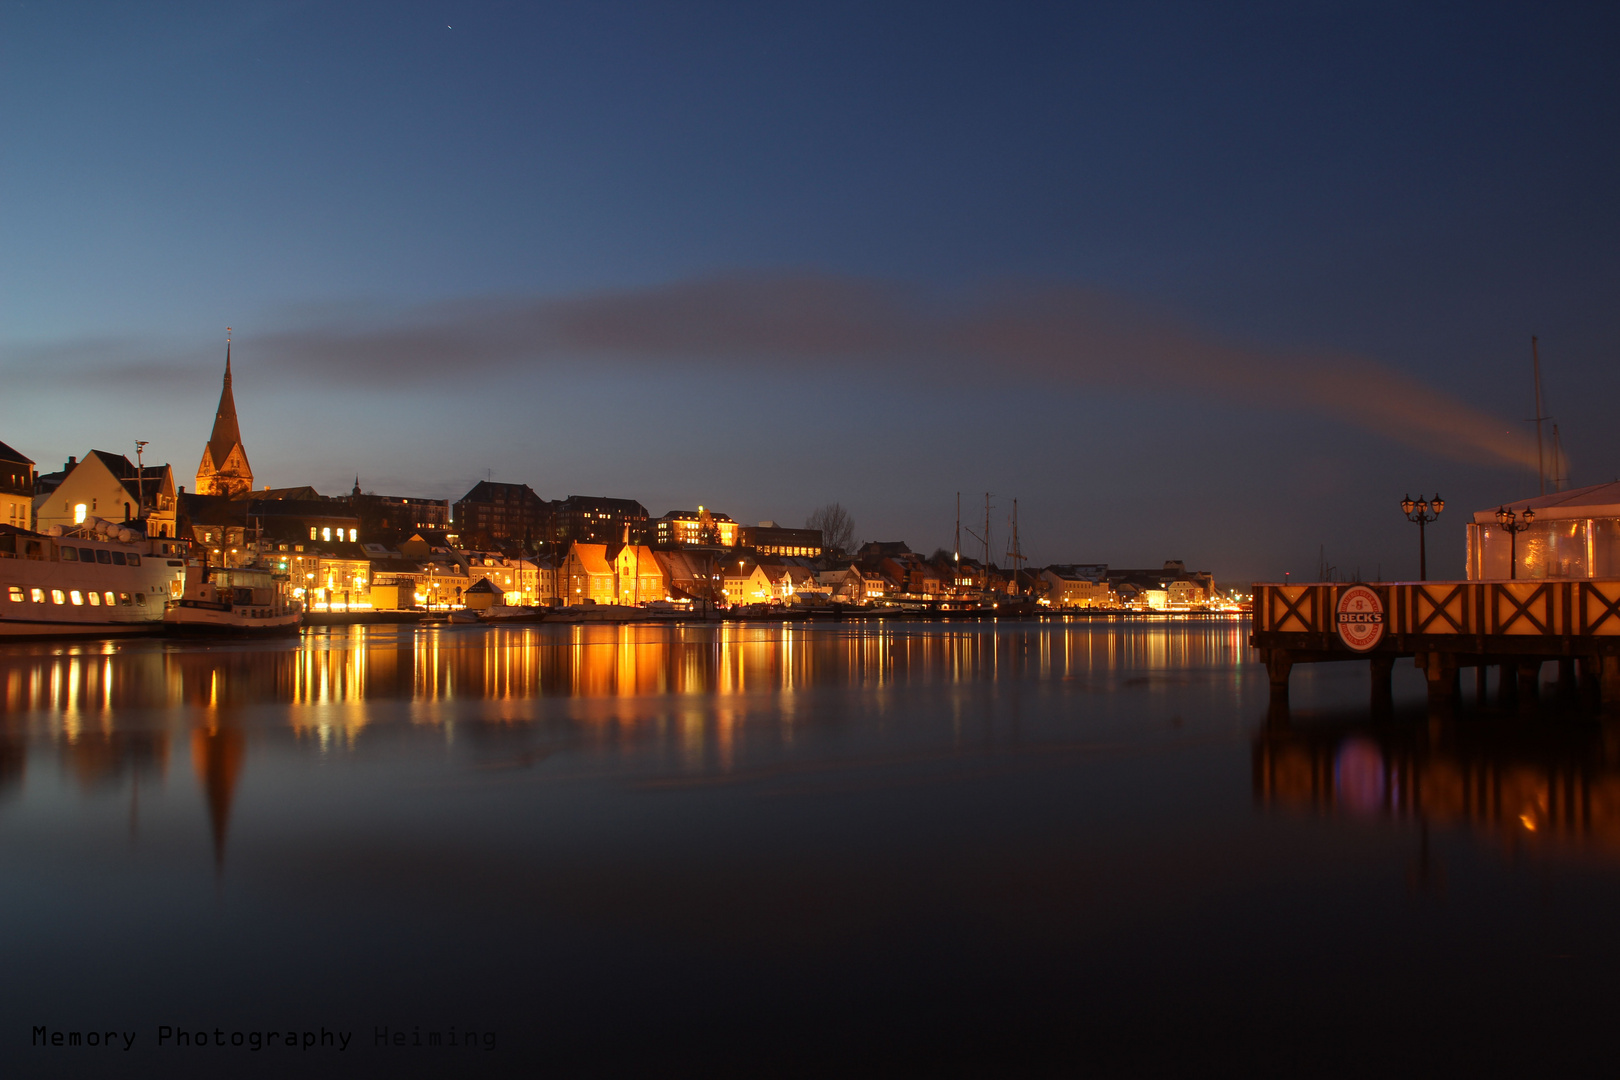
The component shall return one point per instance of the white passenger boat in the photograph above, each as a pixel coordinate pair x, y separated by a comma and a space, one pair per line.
233, 600
96, 580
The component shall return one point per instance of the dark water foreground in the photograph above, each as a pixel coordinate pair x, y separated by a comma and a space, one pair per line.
909, 850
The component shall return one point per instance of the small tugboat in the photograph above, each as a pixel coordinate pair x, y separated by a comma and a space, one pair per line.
233, 600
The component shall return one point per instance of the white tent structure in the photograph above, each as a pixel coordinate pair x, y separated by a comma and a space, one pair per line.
1574, 534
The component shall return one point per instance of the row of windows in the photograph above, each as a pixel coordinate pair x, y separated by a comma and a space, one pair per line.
326, 534
18, 595
100, 555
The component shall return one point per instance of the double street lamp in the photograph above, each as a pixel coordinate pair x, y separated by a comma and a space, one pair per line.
1420, 512
1513, 525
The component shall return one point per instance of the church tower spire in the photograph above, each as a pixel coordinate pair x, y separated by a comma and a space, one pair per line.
224, 469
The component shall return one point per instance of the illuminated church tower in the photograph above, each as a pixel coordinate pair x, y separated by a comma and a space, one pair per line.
224, 469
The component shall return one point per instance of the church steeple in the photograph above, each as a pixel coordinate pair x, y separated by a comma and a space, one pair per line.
224, 469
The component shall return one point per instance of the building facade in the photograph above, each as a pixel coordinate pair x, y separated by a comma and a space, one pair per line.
694, 528
16, 489
492, 512
769, 539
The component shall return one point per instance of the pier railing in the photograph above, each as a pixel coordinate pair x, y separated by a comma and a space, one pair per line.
1517, 608
1444, 626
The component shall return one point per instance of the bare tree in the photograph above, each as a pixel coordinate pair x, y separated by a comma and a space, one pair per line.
837, 528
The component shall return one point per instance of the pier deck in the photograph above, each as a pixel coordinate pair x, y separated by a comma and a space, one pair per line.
1446, 626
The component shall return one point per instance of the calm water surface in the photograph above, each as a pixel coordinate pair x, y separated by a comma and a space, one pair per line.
864, 848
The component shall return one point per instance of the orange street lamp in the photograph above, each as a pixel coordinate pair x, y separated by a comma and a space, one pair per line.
1506, 519
1419, 512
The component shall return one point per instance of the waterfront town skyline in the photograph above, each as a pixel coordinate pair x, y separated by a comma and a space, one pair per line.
501, 545
1180, 282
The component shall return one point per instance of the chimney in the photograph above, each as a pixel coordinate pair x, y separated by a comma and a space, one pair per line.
71, 461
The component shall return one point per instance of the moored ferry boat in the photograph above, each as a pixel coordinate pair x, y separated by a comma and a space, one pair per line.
233, 600
95, 580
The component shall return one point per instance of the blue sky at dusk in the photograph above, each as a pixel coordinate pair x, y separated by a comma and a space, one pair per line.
1189, 281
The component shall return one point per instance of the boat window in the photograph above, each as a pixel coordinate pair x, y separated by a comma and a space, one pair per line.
87, 554
95, 599
103, 555
37, 595
16, 594
58, 596
77, 597
110, 600
34, 551
123, 599
117, 557
70, 555
140, 599
134, 559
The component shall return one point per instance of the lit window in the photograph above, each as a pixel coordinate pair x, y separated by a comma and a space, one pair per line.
95, 599
326, 534
352, 535
311, 535
110, 598
123, 599
78, 513
77, 597
16, 594
37, 595
58, 596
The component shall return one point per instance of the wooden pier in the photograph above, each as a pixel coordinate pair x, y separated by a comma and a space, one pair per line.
1446, 626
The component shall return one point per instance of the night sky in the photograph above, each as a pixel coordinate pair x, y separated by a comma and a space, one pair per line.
1187, 281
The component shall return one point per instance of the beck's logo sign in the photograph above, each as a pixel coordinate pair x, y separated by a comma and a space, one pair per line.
1360, 618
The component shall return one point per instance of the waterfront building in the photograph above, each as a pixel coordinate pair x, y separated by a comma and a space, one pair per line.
767, 538
589, 574
224, 469
225, 527
1575, 534
390, 518
639, 574
519, 579
484, 594
1078, 585
1142, 583
494, 511
744, 581
692, 575
694, 528
109, 486
16, 488
596, 520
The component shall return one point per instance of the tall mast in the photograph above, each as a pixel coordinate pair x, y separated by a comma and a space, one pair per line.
987, 541
956, 550
1541, 466
1558, 476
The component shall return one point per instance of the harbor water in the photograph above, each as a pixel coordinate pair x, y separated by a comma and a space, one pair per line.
874, 848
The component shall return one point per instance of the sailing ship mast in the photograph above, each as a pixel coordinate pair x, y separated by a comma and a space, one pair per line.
1541, 466
986, 578
1014, 554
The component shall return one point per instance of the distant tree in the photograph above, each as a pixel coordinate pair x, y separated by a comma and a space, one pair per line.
837, 528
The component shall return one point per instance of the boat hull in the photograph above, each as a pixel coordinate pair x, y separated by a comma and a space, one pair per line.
107, 589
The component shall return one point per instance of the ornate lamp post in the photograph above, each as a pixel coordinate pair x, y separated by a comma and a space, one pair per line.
1419, 512
1507, 520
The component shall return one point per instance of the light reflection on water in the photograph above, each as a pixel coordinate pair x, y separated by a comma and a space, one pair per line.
869, 823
